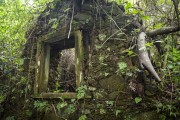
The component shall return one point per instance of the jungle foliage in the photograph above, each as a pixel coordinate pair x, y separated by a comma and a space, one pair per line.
18, 16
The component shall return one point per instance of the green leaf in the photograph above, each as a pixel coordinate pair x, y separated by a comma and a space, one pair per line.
55, 25
40, 106
61, 105
129, 52
158, 25
149, 44
127, 6
10, 118
52, 20
83, 117
98, 95
71, 109
102, 111
170, 66
159, 2
81, 91
138, 99
134, 11
144, 17
117, 112
102, 37
106, 74
110, 103
2, 98
122, 65
101, 59
159, 105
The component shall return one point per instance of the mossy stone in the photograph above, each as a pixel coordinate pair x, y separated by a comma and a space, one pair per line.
51, 116
113, 83
113, 95
151, 115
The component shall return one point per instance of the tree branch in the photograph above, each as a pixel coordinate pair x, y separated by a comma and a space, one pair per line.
144, 60
164, 30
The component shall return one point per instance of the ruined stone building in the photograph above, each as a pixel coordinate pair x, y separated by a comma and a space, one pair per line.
76, 43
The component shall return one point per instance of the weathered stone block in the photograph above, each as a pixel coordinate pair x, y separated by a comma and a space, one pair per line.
113, 83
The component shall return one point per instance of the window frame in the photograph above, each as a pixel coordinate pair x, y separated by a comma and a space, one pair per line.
43, 61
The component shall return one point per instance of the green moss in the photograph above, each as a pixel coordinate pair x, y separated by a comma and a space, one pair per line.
83, 17
152, 115
51, 116
113, 83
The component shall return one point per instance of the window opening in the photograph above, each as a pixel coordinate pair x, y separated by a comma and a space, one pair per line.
62, 77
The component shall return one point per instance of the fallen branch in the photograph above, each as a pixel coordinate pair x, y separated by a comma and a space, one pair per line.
161, 31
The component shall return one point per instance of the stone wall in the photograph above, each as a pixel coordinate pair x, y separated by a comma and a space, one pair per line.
107, 84
110, 66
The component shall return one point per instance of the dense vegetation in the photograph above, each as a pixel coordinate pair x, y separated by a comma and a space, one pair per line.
18, 16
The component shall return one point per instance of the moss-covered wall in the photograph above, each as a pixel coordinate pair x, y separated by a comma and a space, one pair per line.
107, 84
110, 67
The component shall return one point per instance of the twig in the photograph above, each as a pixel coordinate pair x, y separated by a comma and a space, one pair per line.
110, 37
54, 109
120, 30
71, 21
82, 2
109, 16
175, 3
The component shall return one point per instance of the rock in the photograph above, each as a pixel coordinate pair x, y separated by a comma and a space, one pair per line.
151, 115
83, 17
92, 82
90, 88
113, 95
113, 83
51, 116
149, 93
